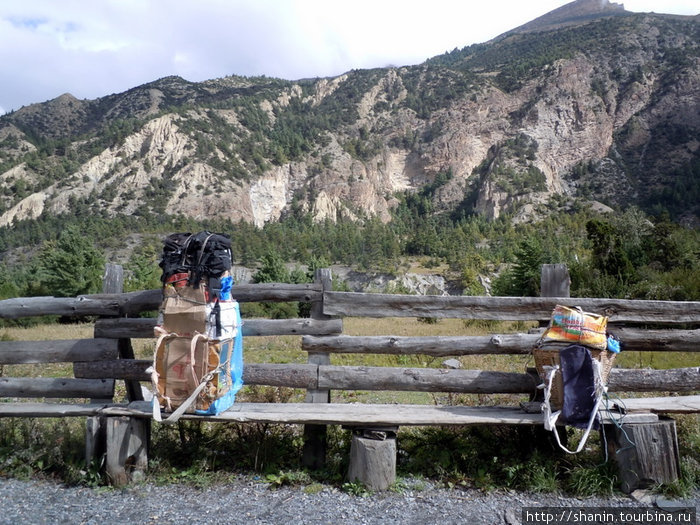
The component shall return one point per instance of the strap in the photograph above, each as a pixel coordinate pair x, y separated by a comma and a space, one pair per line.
154, 374
197, 270
172, 418
550, 418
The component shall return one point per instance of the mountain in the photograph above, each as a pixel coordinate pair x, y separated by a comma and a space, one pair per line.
588, 104
574, 13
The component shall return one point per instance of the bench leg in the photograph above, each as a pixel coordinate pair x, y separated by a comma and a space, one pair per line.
127, 449
645, 453
95, 438
373, 458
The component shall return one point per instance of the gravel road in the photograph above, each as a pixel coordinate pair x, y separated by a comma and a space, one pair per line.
249, 501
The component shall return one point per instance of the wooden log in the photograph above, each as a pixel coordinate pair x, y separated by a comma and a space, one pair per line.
143, 328
354, 304
290, 375
637, 339
646, 454
312, 376
58, 351
442, 346
135, 302
437, 346
424, 380
20, 307
56, 387
287, 375
127, 369
126, 459
650, 380
255, 327
372, 461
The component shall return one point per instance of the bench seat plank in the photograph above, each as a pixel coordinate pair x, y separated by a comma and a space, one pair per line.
33, 409
355, 414
348, 413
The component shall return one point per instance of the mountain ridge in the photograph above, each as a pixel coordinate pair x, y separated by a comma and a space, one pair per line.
604, 109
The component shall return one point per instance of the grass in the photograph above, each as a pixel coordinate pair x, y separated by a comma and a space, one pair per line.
202, 454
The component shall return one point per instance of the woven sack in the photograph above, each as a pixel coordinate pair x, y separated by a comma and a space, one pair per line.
573, 325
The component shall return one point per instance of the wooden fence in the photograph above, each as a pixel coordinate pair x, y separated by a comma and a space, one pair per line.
641, 325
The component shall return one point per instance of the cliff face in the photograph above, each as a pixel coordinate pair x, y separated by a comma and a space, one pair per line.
603, 111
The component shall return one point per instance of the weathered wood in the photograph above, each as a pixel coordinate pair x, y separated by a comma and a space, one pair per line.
113, 282
133, 328
351, 414
127, 369
661, 405
324, 377
113, 279
646, 454
342, 414
58, 351
354, 304
33, 409
650, 380
637, 339
143, 328
437, 346
423, 380
126, 459
95, 439
442, 346
145, 300
315, 436
323, 278
20, 307
290, 375
56, 387
252, 327
372, 462
555, 281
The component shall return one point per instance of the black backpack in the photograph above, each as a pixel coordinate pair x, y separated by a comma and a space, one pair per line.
199, 255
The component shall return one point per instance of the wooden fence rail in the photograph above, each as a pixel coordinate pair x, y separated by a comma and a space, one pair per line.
347, 304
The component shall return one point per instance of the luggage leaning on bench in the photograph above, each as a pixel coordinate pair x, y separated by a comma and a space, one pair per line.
574, 357
198, 359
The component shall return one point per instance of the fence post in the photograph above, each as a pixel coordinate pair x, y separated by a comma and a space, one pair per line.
123, 442
314, 454
555, 281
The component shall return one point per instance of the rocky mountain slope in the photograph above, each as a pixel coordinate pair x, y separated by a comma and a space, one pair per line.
589, 103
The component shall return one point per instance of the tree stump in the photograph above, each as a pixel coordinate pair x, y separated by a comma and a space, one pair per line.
127, 449
373, 458
645, 453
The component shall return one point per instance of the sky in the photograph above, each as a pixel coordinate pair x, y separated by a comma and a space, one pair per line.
93, 48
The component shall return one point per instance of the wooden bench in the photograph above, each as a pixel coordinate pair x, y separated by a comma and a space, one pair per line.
120, 431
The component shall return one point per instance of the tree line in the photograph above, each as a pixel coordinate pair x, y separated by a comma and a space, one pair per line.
626, 255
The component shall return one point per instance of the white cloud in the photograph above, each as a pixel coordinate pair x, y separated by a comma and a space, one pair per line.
94, 48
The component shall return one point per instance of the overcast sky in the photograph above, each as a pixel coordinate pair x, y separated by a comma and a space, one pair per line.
92, 48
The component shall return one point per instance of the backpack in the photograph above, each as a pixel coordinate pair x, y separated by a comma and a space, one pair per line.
573, 358
198, 358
